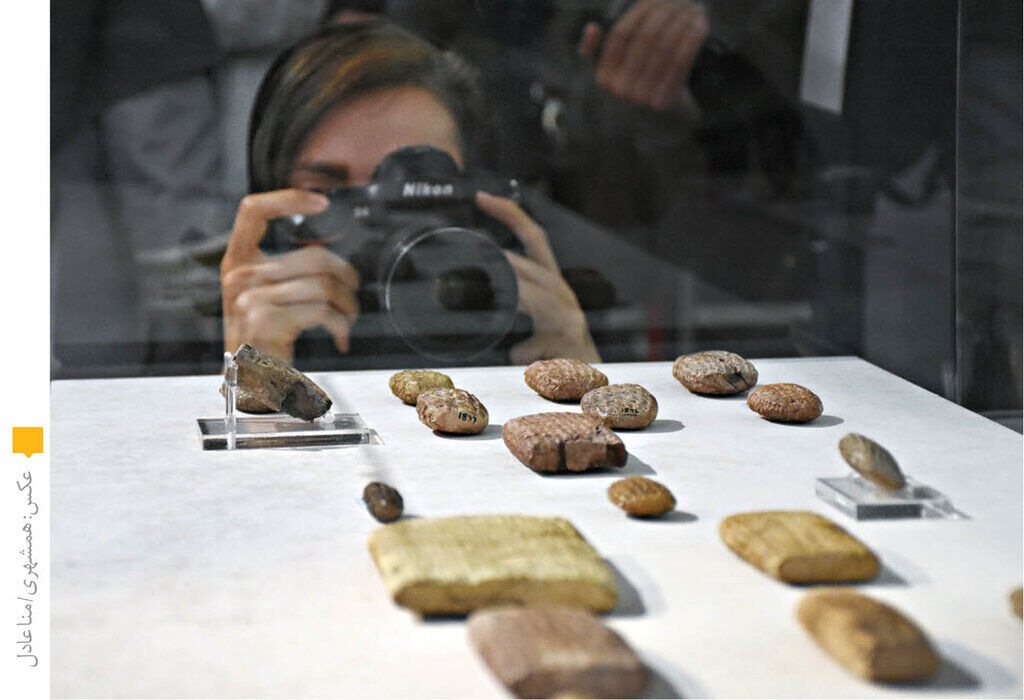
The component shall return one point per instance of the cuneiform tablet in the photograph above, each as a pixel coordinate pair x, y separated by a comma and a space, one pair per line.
789, 403
410, 383
246, 402
451, 411
714, 372
279, 386
798, 547
867, 637
640, 496
621, 406
563, 380
455, 565
546, 652
554, 442
872, 461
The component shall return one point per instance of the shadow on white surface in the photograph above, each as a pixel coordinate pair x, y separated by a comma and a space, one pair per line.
661, 425
491, 432
630, 604
823, 421
673, 516
634, 465
961, 669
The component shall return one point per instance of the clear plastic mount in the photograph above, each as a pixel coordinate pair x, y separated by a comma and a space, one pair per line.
863, 500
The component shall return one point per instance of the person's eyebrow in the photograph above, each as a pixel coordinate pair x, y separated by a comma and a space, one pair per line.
333, 170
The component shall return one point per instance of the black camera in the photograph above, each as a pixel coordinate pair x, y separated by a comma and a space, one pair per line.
429, 261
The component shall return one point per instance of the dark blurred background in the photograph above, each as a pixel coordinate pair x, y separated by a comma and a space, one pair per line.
813, 208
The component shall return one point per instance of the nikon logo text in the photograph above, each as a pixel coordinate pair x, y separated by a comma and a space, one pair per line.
426, 189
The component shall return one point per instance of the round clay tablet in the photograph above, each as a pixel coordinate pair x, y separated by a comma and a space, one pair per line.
638, 495
409, 384
789, 403
383, 501
451, 411
714, 372
562, 379
618, 406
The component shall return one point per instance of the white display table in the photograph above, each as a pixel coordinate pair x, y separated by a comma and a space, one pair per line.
178, 572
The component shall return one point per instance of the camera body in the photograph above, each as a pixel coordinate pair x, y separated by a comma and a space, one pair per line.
428, 259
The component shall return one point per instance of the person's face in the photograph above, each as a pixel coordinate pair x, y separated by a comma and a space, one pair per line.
351, 140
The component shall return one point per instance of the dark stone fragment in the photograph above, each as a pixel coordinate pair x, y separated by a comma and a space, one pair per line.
383, 502
278, 385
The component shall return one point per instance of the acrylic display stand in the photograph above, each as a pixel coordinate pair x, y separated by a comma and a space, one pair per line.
863, 500
278, 430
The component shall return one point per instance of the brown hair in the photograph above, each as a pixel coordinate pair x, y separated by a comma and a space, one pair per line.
336, 66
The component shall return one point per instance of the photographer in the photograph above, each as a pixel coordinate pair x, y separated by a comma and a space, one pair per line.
328, 112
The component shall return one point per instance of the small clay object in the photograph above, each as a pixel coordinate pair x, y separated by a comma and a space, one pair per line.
872, 461
553, 442
562, 379
788, 403
383, 502
546, 652
621, 406
465, 289
1017, 601
714, 372
409, 384
451, 411
867, 637
640, 496
451, 566
279, 386
798, 547
246, 402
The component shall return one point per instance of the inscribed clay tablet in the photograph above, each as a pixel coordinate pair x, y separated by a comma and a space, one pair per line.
798, 547
553, 442
279, 386
621, 406
872, 461
544, 652
455, 565
869, 638
563, 380
789, 403
409, 384
246, 402
640, 496
451, 411
714, 372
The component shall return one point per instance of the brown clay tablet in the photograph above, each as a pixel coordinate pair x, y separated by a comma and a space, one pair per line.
562, 379
798, 547
409, 384
868, 637
621, 406
547, 652
279, 386
553, 442
383, 501
714, 372
451, 411
640, 496
872, 461
1017, 601
788, 403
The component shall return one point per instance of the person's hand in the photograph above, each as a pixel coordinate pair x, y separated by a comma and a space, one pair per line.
559, 326
268, 300
647, 55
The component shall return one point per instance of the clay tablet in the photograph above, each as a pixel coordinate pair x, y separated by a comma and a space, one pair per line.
869, 638
872, 461
553, 442
279, 386
798, 547
455, 565
640, 496
409, 384
714, 372
543, 652
789, 403
563, 380
451, 411
621, 406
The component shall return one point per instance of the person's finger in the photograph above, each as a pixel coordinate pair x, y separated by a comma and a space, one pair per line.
527, 269
662, 57
590, 40
311, 288
530, 233
634, 79
255, 210
275, 325
311, 260
530, 350
677, 71
617, 43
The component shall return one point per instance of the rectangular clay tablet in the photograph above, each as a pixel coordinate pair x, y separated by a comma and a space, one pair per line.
798, 547
867, 637
542, 652
553, 442
455, 565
